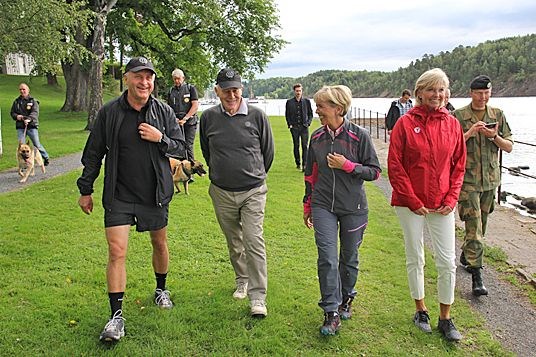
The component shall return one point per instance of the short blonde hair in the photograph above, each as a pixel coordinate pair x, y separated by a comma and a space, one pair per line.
339, 95
428, 79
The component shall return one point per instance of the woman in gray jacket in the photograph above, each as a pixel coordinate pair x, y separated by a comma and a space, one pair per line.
341, 157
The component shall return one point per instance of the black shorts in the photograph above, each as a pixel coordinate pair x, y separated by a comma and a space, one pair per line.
146, 218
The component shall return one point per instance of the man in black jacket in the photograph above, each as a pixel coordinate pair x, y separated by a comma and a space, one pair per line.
398, 108
136, 133
299, 114
25, 112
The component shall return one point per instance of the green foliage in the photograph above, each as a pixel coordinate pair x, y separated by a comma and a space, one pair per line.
198, 37
510, 62
43, 29
54, 302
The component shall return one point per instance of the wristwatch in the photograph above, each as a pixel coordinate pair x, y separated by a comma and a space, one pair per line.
493, 138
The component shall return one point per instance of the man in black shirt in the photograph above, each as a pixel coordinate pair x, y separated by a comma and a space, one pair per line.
299, 114
135, 133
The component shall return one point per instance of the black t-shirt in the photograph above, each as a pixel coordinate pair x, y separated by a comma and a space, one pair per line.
136, 177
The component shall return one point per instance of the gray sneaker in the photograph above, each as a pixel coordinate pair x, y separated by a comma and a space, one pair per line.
447, 329
258, 308
162, 299
422, 321
114, 329
241, 291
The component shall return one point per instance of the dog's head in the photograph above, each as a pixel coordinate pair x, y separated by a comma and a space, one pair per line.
24, 150
198, 168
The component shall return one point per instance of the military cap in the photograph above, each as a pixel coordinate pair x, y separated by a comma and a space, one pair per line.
481, 82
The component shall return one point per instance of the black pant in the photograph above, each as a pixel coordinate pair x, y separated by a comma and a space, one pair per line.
300, 132
189, 137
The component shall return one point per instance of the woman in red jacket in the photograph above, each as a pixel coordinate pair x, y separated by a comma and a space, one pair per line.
426, 165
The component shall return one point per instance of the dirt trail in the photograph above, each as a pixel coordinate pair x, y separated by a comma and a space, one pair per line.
509, 316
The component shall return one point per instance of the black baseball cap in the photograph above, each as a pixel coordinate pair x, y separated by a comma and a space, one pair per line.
481, 82
229, 78
137, 64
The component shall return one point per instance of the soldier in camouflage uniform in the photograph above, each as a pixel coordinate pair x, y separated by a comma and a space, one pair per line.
483, 172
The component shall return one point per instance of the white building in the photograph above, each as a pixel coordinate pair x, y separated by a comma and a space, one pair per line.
19, 63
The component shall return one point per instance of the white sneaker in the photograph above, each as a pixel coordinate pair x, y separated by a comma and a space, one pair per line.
241, 291
258, 308
162, 299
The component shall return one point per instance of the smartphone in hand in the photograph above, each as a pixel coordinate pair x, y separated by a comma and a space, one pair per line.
491, 125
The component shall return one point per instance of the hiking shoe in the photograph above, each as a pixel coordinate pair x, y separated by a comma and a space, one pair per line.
447, 329
114, 329
422, 321
345, 309
258, 308
46, 161
162, 299
331, 325
241, 291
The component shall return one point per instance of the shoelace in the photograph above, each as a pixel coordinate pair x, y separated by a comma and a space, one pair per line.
112, 323
423, 316
163, 298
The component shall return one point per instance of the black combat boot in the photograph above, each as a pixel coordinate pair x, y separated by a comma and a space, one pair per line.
478, 284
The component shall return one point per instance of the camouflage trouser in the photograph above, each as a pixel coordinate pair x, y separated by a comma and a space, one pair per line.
474, 208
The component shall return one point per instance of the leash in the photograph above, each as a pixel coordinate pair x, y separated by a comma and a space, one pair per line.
25, 129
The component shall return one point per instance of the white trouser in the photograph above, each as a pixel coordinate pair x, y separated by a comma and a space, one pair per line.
442, 233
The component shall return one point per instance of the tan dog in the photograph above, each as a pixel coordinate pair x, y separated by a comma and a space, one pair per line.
183, 171
27, 157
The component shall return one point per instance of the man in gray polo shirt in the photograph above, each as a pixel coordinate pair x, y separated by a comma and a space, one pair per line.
237, 144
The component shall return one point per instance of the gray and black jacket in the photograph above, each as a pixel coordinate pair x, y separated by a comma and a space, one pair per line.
333, 189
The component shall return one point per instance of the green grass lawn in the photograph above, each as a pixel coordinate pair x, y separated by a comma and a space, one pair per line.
53, 293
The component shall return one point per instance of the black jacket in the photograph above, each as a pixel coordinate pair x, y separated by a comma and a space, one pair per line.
28, 107
180, 100
291, 112
103, 142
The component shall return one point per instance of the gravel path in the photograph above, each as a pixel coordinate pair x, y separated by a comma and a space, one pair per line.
9, 179
509, 316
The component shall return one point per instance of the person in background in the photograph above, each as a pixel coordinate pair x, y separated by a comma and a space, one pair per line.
135, 133
299, 114
398, 108
182, 98
486, 131
426, 164
25, 112
341, 157
237, 144
449, 106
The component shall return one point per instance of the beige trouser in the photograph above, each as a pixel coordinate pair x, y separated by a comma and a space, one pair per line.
241, 217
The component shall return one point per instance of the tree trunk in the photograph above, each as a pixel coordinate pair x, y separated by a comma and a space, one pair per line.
95, 77
102, 8
76, 78
76, 94
52, 79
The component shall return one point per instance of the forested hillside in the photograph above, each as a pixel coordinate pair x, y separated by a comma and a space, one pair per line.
510, 62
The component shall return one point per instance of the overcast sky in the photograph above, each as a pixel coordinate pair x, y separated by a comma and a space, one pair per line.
386, 34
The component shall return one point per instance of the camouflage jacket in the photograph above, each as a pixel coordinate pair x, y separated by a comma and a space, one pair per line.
482, 170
